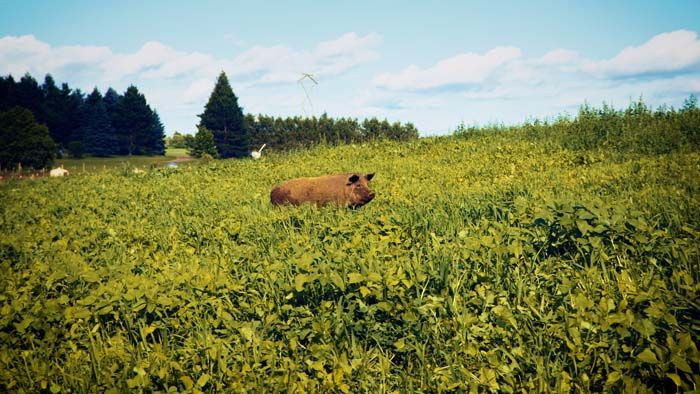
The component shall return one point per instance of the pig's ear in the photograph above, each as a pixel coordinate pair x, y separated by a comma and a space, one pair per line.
369, 176
353, 178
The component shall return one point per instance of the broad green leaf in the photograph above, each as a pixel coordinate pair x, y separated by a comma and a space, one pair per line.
337, 281
202, 381
681, 363
355, 277
487, 377
613, 377
647, 356
676, 379
299, 281
187, 382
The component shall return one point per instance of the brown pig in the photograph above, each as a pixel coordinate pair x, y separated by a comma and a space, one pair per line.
342, 189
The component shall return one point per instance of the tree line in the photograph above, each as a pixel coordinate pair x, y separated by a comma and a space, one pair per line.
297, 132
224, 131
40, 122
76, 123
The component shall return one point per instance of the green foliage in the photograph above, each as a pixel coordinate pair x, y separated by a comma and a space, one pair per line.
155, 139
485, 264
70, 117
224, 118
53, 111
76, 149
298, 132
98, 137
178, 140
7, 93
690, 120
138, 127
28, 94
637, 129
189, 141
203, 144
23, 141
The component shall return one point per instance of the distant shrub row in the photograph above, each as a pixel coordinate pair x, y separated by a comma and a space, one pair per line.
298, 132
637, 129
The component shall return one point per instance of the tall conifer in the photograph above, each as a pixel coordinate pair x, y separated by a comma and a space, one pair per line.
98, 135
224, 118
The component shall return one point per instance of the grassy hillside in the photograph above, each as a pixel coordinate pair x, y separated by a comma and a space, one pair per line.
489, 261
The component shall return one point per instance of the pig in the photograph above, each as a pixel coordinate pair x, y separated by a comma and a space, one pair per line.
349, 189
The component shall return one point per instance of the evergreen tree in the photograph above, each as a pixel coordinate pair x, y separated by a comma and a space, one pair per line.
7, 93
203, 144
23, 140
111, 100
76, 149
98, 136
154, 142
133, 121
28, 94
74, 105
224, 118
54, 108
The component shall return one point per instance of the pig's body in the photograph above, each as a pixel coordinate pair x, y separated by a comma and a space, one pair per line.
341, 189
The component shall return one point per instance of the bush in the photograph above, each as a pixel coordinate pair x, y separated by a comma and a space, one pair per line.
637, 129
24, 141
76, 149
203, 144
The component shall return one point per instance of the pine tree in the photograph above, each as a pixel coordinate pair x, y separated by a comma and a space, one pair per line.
98, 136
24, 141
133, 121
203, 144
224, 118
54, 105
74, 102
7, 93
111, 100
154, 143
28, 94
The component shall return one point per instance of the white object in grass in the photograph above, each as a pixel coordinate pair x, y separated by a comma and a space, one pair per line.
257, 153
58, 172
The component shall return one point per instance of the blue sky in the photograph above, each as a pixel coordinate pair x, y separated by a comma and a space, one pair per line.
435, 64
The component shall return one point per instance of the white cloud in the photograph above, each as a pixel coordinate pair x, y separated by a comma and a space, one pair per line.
337, 56
155, 60
177, 81
281, 64
197, 90
667, 52
19, 55
502, 84
557, 57
462, 69
505, 85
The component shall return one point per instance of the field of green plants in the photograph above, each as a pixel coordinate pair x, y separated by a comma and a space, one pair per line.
489, 261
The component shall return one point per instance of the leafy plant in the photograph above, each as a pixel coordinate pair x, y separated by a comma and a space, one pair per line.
491, 263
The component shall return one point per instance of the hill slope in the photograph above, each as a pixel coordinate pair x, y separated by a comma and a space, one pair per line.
486, 261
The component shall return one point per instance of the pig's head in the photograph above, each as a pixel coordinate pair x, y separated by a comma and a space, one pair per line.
359, 193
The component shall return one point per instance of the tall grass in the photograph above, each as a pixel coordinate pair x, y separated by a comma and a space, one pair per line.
636, 129
487, 262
